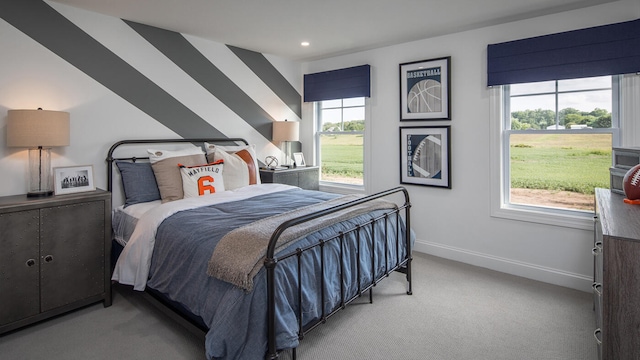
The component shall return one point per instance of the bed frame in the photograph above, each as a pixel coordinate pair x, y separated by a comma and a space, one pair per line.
402, 265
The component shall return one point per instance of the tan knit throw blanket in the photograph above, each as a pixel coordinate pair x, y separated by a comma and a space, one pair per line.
240, 254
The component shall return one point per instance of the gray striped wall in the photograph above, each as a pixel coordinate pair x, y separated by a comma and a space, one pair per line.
71, 42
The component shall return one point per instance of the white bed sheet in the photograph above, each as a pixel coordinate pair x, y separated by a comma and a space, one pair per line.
124, 219
132, 267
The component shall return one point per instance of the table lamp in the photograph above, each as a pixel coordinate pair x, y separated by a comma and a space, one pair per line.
38, 130
285, 132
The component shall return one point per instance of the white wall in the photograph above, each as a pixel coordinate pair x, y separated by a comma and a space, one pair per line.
456, 223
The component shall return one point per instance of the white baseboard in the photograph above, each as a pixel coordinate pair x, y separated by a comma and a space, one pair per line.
509, 266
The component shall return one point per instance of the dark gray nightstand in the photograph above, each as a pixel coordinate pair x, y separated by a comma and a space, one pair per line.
54, 255
305, 177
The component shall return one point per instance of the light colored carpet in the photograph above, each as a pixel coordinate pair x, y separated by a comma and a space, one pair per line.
457, 312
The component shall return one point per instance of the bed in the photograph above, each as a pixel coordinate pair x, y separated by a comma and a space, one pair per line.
256, 266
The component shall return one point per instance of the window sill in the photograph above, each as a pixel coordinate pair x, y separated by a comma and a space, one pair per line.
338, 188
554, 217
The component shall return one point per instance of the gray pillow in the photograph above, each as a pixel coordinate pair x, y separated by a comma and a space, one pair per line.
168, 175
139, 182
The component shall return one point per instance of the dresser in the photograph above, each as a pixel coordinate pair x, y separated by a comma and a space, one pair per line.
54, 255
616, 284
306, 177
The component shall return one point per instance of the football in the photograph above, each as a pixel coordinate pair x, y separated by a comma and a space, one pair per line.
631, 183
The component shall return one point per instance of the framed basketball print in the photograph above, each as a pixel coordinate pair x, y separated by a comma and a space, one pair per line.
424, 156
425, 90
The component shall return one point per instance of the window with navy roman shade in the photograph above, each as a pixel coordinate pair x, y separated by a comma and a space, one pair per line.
338, 84
597, 51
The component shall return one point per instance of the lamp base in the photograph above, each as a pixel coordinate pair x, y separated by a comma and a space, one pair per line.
40, 177
43, 193
286, 145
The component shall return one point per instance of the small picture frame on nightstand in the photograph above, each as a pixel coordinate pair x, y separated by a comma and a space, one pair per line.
298, 157
73, 179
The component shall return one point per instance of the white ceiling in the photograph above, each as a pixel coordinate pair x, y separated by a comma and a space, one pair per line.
333, 27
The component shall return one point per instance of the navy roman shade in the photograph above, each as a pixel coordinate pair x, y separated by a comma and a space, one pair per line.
602, 50
338, 84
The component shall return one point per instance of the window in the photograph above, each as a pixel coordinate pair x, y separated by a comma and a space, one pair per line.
556, 143
340, 140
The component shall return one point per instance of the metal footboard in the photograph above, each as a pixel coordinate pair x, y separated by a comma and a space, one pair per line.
403, 265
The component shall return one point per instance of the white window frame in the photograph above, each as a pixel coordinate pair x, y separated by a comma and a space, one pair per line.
336, 187
628, 91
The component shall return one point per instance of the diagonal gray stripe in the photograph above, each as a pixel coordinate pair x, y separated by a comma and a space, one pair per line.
48, 27
189, 59
272, 77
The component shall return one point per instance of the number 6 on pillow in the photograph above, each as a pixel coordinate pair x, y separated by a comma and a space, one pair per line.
202, 179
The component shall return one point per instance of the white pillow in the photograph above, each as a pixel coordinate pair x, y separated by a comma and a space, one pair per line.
202, 180
241, 168
236, 171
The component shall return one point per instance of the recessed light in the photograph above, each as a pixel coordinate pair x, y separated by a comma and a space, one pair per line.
305, 43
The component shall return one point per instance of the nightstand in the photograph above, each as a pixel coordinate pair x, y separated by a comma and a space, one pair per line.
306, 177
54, 255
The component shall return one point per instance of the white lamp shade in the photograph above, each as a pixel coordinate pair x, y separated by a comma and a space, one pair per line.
33, 128
286, 131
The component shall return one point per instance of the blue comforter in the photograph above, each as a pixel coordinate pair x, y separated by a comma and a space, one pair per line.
237, 320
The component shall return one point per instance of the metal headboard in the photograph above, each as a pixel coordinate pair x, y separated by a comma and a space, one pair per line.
196, 141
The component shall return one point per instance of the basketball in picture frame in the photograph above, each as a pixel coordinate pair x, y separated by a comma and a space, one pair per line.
425, 96
425, 90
